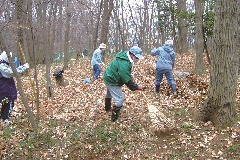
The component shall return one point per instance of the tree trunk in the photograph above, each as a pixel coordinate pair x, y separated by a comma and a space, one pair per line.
29, 33
161, 25
95, 34
60, 28
39, 38
31, 51
46, 49
182, 27
220, 104
108, 7
199, 65
67, 32
54, 27
20, 19
173, 19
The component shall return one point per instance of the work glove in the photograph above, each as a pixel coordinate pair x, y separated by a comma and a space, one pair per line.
26, 65
139, 87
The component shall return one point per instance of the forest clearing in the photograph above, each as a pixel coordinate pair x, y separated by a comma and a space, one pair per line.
52, 121
74, 125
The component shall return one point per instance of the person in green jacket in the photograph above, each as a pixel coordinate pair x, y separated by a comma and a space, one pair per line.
116, 75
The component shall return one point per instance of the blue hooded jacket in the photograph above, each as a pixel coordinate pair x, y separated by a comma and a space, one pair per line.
166, 57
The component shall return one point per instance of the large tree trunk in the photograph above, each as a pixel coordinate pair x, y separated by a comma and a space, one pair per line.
220, 104
199, 65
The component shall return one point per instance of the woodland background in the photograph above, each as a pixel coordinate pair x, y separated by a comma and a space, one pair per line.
68, 122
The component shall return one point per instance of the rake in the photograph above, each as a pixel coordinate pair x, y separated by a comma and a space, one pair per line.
158, 119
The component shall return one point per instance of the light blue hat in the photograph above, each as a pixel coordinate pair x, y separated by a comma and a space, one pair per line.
137, 52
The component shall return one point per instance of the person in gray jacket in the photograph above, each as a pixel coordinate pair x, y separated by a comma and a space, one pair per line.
164, 65
8, 90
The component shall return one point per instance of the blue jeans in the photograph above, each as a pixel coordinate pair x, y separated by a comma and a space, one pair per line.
96, 71
168, 74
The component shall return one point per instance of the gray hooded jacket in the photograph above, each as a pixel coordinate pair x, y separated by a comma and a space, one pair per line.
6, 69
166, 57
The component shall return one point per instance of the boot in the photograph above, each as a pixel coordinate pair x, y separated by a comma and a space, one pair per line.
174, 89
108, 104
157, 88
115, 117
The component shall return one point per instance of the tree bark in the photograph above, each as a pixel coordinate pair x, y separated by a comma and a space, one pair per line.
182, 26
67, 32
219, 107
46, 48
60, 29
160, 25
108, 7
199, 65
95, 34
20, 21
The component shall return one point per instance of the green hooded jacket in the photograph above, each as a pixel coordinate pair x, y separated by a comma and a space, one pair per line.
118, 72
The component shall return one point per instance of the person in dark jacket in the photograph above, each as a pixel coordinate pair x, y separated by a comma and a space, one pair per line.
165, 63
8, 90
116, 75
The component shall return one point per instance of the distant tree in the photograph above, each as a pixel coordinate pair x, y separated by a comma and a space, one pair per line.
96, 28
67, 32
219, 106
46, 47
20, 21
107, 12
119, 33
182, 26
60, 28
208, 22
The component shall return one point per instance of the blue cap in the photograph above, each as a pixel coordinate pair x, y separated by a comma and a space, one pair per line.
137, 52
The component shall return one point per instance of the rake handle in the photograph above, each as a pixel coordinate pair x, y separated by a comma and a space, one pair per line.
149, 41
24, 59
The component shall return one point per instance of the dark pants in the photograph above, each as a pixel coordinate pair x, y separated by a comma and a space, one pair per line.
6, 109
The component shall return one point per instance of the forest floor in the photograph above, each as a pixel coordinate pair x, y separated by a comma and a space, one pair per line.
74, 125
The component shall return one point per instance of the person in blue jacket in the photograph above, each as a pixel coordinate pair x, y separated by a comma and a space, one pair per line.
164, 65
97, 60
116, 75
8, 90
